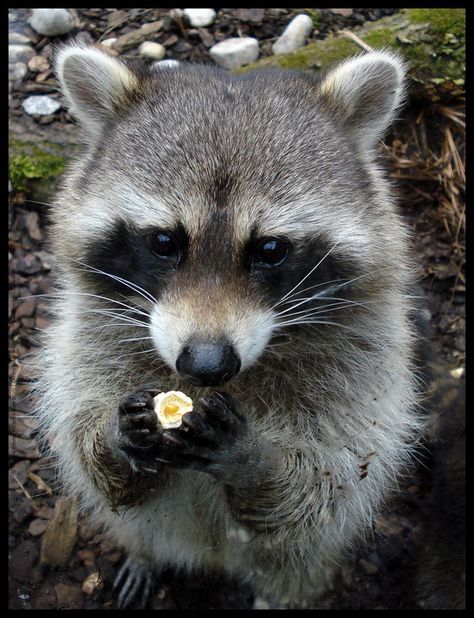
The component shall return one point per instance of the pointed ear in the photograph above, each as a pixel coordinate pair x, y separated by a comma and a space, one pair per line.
364, 93
96, 85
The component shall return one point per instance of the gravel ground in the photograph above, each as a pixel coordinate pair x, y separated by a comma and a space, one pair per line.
381, 573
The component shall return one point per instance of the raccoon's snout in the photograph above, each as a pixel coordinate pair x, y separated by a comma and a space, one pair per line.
208, 364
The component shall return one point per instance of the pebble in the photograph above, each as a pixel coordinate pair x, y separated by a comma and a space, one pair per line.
15, 38
26, 449
37, 527
20, 471
235, 52
68, 596
108, 42
342, 12
52, 22
17, 71
38, 64
92, 583
20, 53
33, 226
150, 49
22, 509
25, 309
40, 104
200, 18
161, 64
294, 36
255, 16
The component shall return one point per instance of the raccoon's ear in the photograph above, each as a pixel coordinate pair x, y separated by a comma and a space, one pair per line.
96, 85
364, 94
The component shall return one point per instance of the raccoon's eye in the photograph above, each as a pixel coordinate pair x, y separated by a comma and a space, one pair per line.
270, 252
164, 245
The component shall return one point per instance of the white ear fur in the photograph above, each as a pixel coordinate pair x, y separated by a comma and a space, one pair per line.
365, 92
95, 84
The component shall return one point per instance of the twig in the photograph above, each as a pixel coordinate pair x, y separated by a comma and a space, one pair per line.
22, 486
355, 38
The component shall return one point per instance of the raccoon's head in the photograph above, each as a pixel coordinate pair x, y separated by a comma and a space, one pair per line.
228, 206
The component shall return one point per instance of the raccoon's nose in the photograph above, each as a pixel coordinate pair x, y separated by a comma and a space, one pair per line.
208, 364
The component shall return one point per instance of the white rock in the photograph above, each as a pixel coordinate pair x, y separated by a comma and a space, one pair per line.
161, 64
40, 104
15, 38
108, 42
16, 71
200, 18
294, 36
235, 52
150, 49
51, 22
20, 53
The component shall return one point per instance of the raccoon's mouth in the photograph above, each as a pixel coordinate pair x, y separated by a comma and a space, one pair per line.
208, 364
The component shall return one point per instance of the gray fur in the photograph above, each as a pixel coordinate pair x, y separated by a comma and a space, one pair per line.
327, 405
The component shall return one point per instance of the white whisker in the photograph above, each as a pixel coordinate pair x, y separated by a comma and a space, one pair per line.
306, 276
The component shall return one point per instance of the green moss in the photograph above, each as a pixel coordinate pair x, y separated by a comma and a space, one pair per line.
440, 20
431, 40
29, 162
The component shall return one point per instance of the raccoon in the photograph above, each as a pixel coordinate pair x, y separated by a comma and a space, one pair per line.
232, 237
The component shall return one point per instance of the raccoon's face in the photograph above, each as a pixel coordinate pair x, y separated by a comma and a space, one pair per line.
225, 207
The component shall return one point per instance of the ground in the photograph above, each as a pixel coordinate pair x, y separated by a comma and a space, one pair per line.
424, 155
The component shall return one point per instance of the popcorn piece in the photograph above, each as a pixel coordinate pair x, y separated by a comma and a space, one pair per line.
170, 408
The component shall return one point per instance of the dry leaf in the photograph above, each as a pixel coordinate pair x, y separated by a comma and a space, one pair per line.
60, 536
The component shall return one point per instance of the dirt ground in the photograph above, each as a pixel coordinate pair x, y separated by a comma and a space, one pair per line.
380, 574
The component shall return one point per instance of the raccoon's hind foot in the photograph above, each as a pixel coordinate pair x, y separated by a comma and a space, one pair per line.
134, 580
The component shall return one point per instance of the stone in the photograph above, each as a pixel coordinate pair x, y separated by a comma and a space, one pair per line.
150, 49
161, 64
68, 596
20, 53
200, 18
40, 104
251, 15
25, 309
52, 22
19, 447
17, 71
342, 12
92, 583
109, 42
235, 52
294, 36
38, 64
136, 37
18, 472
26, 265
37, 527
33, 226
22, 508
15, 38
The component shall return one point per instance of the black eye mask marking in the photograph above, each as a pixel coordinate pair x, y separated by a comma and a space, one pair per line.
132, 255
280, 279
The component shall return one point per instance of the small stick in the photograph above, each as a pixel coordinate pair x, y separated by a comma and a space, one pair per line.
357, 41
22, 486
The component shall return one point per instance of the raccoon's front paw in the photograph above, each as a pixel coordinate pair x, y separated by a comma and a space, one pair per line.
213, 439
139, 432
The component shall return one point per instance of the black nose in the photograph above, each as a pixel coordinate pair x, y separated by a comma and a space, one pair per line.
208, 364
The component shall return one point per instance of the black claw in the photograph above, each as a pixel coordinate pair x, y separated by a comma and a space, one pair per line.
132, 577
